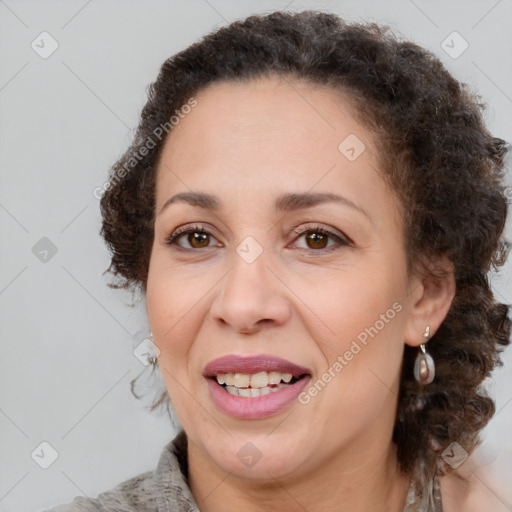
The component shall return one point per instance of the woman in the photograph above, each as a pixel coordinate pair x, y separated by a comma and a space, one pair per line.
311, 209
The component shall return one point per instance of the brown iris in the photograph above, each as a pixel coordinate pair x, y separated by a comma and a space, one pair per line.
318, 240
202, 239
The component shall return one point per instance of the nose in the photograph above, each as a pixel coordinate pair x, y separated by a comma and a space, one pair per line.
251, 296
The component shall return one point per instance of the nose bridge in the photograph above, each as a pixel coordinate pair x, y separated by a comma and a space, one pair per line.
250, 269
250, 293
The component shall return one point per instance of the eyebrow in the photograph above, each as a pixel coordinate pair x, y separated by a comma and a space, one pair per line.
285, 203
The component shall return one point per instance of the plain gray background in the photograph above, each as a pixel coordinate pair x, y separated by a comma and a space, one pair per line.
67, 340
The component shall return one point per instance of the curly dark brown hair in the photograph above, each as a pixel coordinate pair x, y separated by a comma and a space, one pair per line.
435, 151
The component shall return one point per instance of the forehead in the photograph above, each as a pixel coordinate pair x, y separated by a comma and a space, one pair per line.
251, 141
271, 124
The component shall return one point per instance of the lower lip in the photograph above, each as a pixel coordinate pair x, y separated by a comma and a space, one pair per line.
250, 408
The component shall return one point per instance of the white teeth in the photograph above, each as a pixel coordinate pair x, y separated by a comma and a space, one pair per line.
253, 392
242, 380
257, 380
274, 377
254, 385
232, 390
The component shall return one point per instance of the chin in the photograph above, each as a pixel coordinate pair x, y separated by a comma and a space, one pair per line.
261, 458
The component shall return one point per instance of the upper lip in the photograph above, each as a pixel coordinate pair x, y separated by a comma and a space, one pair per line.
253, 364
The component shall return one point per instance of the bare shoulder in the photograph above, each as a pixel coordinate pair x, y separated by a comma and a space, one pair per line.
470, 493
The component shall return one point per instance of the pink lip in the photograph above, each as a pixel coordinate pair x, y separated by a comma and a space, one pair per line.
254, 407
253, 364
251, 408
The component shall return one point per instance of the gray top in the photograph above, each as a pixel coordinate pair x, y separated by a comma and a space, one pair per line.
163, 490
166, 489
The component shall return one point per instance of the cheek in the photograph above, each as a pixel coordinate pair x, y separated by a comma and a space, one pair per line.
350, 300
178, 298
171, 321
170, 308
361, 320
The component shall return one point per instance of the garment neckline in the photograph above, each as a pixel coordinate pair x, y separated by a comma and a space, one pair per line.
172, 483
423, 495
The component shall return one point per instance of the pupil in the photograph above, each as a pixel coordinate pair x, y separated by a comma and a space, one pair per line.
318, 240
198, 238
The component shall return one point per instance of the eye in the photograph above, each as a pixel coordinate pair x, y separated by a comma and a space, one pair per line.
196, 237
315, 237
319, 238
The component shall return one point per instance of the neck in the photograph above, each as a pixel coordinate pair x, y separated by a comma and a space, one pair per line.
357, 480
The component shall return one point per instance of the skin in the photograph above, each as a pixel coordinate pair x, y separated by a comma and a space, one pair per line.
305, 302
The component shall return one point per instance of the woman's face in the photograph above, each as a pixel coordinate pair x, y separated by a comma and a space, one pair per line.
300, 256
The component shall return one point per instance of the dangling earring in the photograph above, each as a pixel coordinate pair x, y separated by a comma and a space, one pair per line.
152, 360
424, 367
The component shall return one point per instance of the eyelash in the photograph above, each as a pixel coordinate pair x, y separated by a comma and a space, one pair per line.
311, 228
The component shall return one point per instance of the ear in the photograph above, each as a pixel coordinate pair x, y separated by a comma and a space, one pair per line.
430, 299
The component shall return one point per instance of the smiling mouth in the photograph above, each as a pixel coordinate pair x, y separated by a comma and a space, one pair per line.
255, 384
